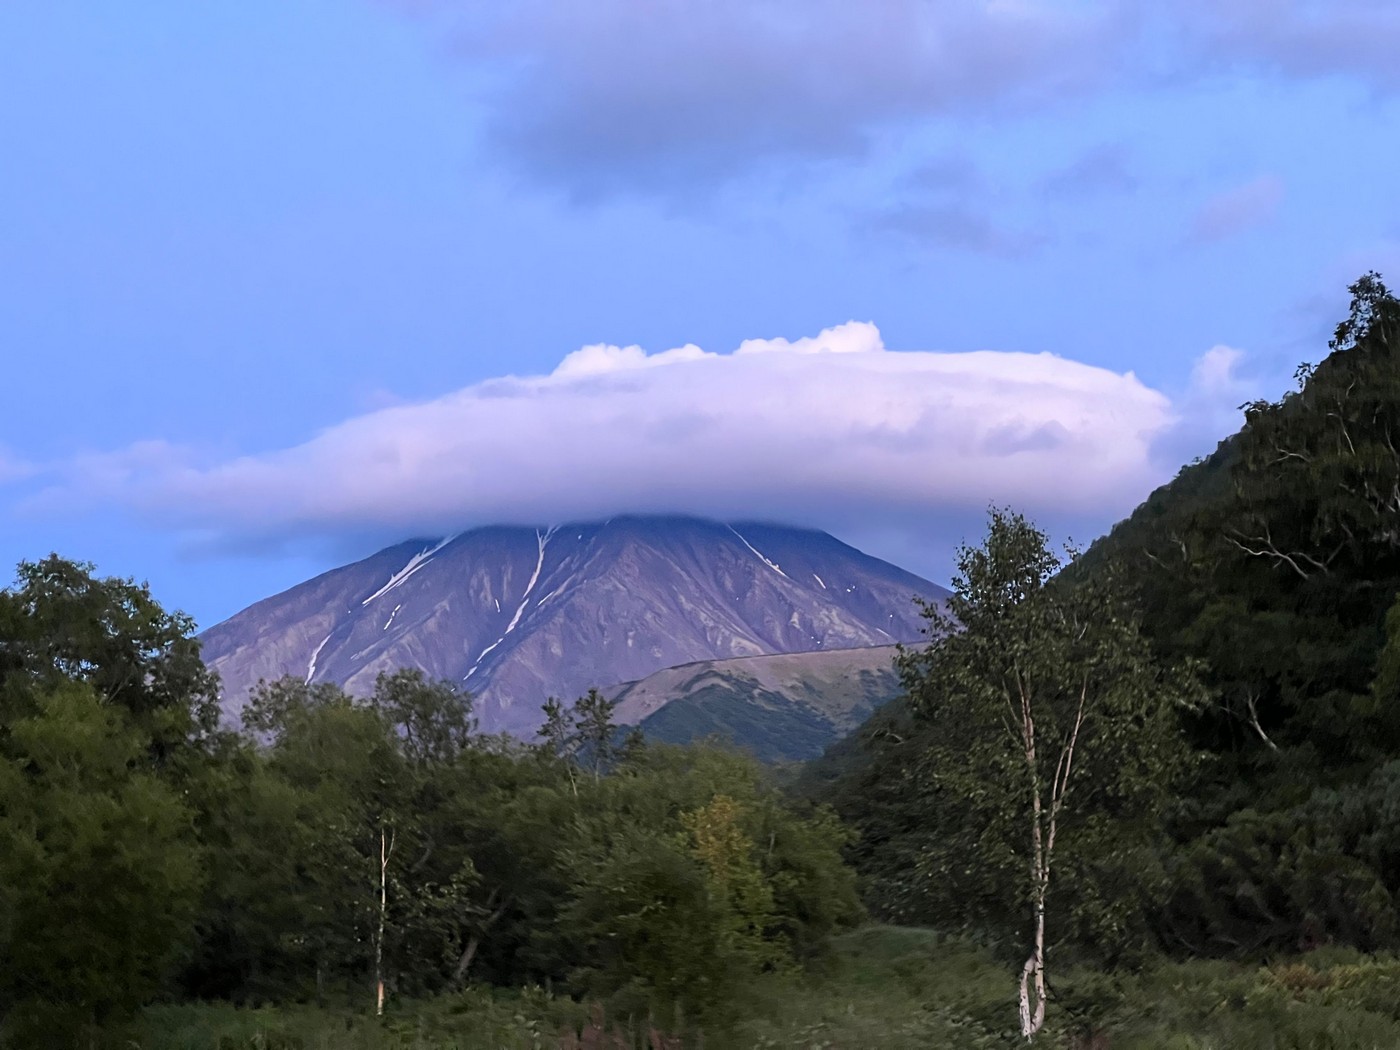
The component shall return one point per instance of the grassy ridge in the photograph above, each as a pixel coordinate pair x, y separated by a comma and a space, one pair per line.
781, 708
770, 727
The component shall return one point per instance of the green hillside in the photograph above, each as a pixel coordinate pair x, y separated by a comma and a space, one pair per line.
780, 708
1270, 570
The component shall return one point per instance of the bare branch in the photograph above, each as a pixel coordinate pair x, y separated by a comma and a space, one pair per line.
1251, 703
1268, 550
1061, 784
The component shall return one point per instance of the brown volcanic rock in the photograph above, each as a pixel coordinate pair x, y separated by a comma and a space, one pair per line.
518, 614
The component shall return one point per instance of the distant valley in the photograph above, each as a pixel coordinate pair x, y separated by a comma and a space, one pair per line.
695, 626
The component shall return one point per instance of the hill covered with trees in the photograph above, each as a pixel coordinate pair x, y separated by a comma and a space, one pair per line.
1265, 577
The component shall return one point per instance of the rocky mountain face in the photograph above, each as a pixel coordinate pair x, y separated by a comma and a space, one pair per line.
519, 614
782, 708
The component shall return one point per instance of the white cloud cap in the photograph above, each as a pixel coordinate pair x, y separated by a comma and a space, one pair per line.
827, 430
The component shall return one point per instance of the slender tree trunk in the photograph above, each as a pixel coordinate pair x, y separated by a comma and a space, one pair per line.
1032, 998
1033, 974
1045, 820
474, 941
465, 962
386, 849
1251, 704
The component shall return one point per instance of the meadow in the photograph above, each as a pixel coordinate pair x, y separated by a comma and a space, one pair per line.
894, 988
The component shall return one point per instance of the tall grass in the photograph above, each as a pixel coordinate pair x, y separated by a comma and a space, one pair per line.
884, 988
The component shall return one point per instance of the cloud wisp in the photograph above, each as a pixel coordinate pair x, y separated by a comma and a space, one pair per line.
947, 203
829, 430
1295, 39
1238, 209
1106, 169
959, 226
12, 468
668, 97
616, 95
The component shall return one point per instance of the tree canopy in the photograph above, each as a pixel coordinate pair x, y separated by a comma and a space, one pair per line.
1049, 737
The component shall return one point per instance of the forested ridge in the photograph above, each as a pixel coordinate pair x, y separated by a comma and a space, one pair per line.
1143, 795
1269, 573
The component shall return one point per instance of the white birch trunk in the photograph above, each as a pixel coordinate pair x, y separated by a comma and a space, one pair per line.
1033, 980
1044, 824
386, 848
1032, 997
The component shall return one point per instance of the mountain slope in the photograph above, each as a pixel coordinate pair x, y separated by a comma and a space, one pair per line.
782, 708
518, 614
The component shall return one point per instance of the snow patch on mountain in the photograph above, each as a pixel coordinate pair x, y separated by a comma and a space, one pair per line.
311, 664
759, 556
542, 538
414, 564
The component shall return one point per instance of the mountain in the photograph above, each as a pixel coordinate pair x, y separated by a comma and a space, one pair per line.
781, 708
519, 614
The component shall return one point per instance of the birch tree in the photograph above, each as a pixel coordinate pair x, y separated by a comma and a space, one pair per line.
1052, 724
347, 763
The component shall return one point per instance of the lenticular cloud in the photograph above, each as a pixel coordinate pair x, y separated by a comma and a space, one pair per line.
833, 427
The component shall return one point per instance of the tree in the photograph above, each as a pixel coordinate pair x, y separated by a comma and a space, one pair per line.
586, 734
61, 623
1052, 730
433, 719
502, 816
390, 778
264, 926
738, 892
107, 718
348, 762
435, 885
99, 869
595, 730
688, 875
556, 732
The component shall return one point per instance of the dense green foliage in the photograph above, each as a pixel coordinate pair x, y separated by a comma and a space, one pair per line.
336, 844
106, 715
1049, 740
1271, 570
1276, 560
1276, 564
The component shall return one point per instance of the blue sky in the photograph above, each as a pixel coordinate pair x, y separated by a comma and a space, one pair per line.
282, 282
